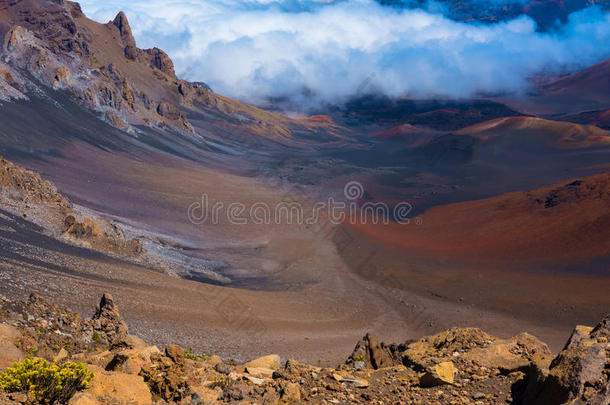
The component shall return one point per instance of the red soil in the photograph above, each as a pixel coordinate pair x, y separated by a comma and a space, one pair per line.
568, 221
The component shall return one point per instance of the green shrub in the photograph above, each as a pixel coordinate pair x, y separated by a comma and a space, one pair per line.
189, 354
50, 383
96, 337
221, 381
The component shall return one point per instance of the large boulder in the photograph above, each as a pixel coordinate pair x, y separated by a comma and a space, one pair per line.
9, 352
271, 362
439, 374
508, 355
580, 374
114, 387
374, 354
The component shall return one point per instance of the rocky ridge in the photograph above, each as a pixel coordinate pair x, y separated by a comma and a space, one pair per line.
457, 366
27, 195
52, 46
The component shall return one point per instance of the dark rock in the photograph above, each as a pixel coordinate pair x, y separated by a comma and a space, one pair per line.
602, 329
108, 322
168, 111
232, 393
223, 368
69, 221
117, 361
131, 52
120, 21
183, 89
195, 399
374, 354
161, 61
165, 376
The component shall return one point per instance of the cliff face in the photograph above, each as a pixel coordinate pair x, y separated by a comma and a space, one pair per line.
457, 366
51, 45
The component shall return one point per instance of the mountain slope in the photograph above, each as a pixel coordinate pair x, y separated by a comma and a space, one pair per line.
49, 44
566, 221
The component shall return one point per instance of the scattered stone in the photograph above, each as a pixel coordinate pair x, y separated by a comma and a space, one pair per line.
271, 361
478, 395
439, 374
134, 373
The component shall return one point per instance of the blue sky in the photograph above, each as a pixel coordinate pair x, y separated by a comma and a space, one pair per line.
256, 49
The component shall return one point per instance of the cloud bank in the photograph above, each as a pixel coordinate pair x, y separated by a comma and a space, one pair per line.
329, 50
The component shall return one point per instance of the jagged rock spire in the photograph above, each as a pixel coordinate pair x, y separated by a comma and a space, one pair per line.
108, 322
121, 22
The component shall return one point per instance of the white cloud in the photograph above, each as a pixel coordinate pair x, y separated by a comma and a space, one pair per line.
259, 48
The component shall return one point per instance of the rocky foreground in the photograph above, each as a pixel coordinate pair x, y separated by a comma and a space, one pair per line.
457, 366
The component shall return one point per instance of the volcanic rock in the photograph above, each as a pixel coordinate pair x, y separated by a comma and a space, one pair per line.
271, 361
374, 354
579, 374
9, 352
108, 322
439, 374
120, 21
124, 388
161, 61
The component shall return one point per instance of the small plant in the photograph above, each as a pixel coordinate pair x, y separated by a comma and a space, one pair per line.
221, 381
193, 356
96, 337
359, 357
48, 382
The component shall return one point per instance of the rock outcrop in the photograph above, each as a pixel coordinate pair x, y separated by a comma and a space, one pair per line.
127, 39
579, 374
458, 366
28, 186
49, 44
107, 322
161, 61
372, 354
26, 194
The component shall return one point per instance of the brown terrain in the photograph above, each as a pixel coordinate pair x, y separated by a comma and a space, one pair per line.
129, 148
524, 252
